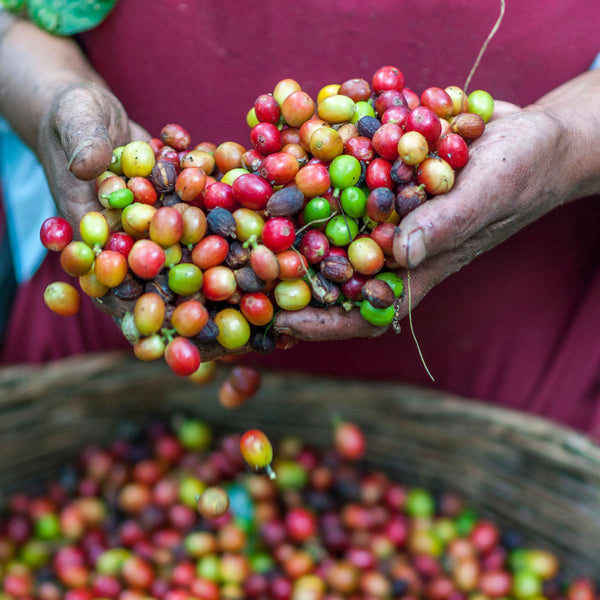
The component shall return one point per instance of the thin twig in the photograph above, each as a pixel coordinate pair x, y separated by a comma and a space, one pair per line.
485, 44
412, 330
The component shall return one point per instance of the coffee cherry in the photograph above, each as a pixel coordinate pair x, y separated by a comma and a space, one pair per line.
389, 99
56, 233
292, 294
90, 285
336, 109
482, 104
280, 168
182, 356
380, 317
469, 126
341, 230
77, 258
146, 259
234, 329
213, 502
137, 159
454, 150
425, 121
387, 78
62, 298
413, 148
190, 184
266, 138
252, 191
189, 318
110, 268
349, 440
257, 308
149, 348
435, 175
278, 234
344, 171
439, 101
256, 449
176, 136
228, 156
245, 380
166, 226
94, 229
297, 108
136, 218
149, 313
366, 256
325, 143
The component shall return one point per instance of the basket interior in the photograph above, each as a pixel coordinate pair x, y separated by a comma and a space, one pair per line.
524, 472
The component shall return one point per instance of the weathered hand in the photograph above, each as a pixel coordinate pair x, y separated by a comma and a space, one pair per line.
513, 177
76, 139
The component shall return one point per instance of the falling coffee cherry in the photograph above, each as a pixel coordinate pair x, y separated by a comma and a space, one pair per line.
349, 440
257, 451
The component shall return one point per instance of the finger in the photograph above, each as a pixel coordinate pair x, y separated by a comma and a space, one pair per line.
74, 198
83, 136
312, 324
138, 133
89, 123
503, 109
437, 226
445, 222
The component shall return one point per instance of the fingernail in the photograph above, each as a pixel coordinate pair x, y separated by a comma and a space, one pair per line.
415, 249
87, 143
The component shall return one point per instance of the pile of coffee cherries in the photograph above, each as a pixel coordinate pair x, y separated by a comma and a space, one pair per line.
205, 243
135, 520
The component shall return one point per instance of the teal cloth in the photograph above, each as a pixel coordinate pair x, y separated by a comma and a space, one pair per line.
27, 202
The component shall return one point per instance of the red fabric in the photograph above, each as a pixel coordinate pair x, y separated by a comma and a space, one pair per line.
37, 335
519, 326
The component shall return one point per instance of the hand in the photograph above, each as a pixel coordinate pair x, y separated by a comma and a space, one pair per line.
77, 135
76, 140
513, 177
116, 308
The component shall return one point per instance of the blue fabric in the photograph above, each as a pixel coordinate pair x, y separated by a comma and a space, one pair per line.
8, 284
27, 202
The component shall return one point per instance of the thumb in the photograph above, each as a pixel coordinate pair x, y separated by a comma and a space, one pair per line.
437, 226
81, 122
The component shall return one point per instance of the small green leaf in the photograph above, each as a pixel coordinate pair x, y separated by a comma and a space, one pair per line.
13, 6
67, 17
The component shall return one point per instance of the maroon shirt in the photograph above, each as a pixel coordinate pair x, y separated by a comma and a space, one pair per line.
518, 326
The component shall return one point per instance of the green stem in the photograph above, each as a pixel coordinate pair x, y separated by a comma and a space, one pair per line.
251, 241
317, 222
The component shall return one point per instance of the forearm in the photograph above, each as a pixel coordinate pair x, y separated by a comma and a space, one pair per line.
34, 68
576, 107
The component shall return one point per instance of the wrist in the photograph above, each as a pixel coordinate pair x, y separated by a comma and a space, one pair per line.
35, 67
573, 109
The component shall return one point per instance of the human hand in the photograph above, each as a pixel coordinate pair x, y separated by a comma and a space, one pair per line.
515, 174
78, 133
77, 137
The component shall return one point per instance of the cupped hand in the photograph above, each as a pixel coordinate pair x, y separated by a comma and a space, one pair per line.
514, 175
76, 140
77, 137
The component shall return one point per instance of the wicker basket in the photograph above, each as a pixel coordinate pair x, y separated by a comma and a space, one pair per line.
525, 472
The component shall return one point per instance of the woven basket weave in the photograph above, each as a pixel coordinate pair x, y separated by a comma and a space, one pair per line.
526, 473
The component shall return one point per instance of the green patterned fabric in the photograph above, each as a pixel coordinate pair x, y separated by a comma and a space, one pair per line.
62, 17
